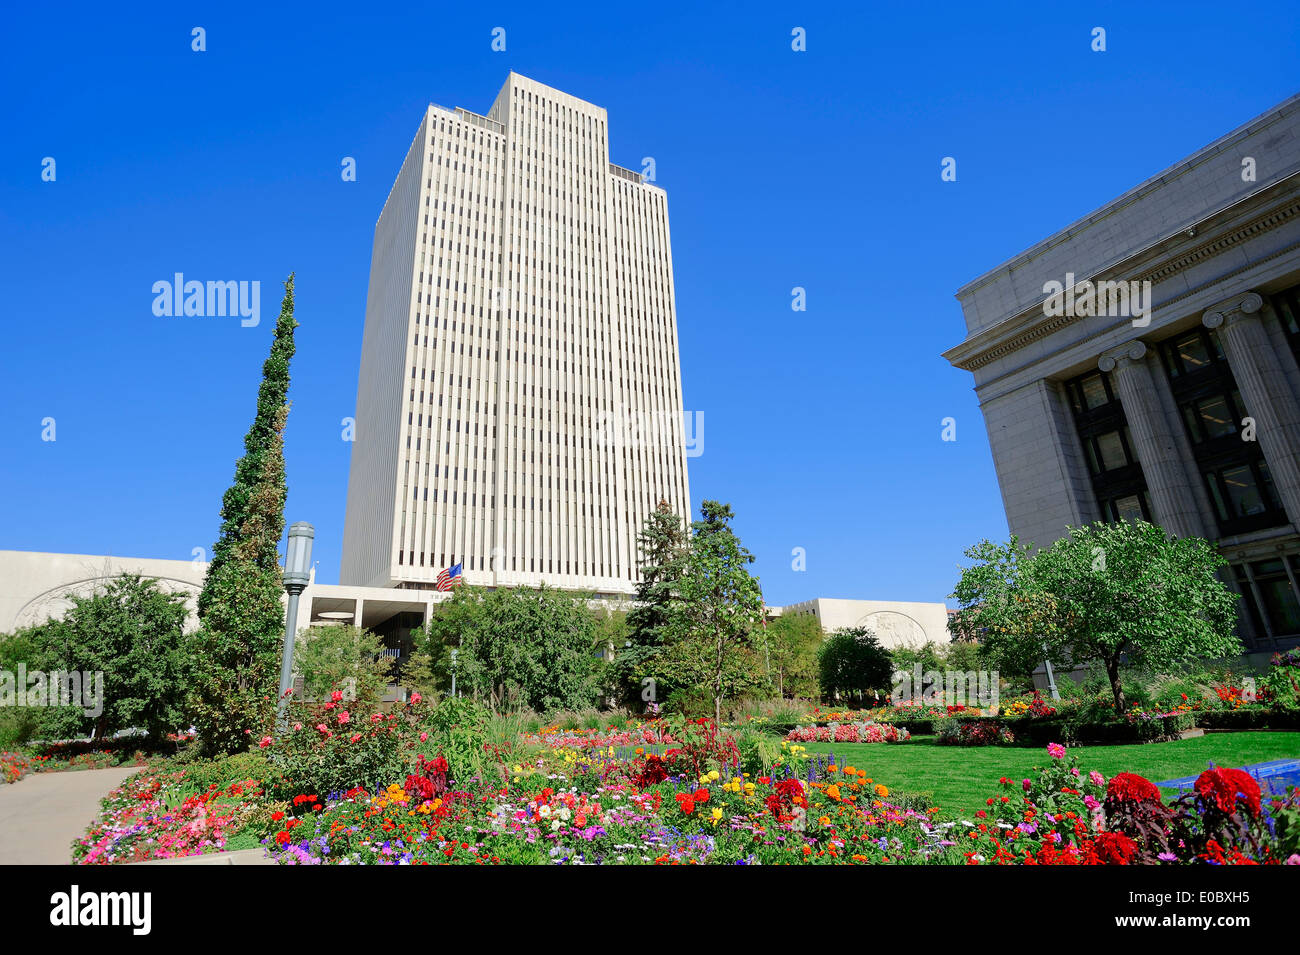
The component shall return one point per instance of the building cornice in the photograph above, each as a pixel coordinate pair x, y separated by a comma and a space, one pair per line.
1031, 324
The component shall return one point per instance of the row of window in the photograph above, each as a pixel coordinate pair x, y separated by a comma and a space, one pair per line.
1232, 466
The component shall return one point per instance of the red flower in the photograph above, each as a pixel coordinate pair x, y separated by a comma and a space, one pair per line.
701, 796
1114, 848
1224, 787
1130, 787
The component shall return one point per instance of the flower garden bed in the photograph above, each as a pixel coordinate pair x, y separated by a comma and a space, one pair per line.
586, 800
626, 813
14, 766
849, 732
161, 815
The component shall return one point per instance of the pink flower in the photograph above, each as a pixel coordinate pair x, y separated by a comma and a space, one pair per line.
355, 737
416, 697
1026, 784
424, 737
336, 696
1056, 750
322, 728
297, 726
1091, 802
376, 718
344, 717
1097, 778
266, 741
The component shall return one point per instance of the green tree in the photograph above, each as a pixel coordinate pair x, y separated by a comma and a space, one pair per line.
344, 657
1121, 594
133, 634
518, 646
852, 662
714, 626
906, 656
236, 649
793, 641
663, 547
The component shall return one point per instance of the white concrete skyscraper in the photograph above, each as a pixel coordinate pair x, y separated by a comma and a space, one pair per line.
519, 405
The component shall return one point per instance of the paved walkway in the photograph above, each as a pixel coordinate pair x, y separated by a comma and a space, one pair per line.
41, 814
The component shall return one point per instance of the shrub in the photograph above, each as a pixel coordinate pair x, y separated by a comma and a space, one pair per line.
327, 749
853, 732
225, 770
342, 657
955, 731
457, 729
758, 751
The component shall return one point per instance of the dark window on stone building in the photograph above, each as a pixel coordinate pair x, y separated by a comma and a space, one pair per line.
1230, 462
1117, 479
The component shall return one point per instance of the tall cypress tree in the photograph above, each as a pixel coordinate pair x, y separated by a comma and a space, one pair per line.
241, 619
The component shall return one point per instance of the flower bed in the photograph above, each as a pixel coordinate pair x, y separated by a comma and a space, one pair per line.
158, 816
14, 766
830, 814
976, 732
851, 732
386, 789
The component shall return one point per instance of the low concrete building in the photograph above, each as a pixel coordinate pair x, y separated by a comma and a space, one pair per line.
1143, 363
895, 623
34, 587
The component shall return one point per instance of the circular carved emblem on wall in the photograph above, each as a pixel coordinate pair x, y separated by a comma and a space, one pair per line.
894, 628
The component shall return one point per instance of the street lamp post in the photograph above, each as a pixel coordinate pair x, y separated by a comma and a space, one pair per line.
453, 671
1051, 677
297, 575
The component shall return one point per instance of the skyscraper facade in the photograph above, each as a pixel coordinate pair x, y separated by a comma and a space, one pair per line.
519, 404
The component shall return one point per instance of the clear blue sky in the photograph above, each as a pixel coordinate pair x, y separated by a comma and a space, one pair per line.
817, 169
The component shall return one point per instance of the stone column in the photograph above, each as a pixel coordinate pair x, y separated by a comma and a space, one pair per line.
1265, 389
1173, 498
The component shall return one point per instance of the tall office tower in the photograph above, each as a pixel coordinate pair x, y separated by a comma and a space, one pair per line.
519, 407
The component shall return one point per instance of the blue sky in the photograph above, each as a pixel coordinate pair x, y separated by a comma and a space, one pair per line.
817, 169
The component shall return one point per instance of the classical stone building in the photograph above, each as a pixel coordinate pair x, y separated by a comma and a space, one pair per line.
1143, 362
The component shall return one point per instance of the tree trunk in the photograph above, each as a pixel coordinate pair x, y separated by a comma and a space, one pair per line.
717, 685
1112, 671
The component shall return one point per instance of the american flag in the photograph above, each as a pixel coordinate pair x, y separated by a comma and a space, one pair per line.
450, 578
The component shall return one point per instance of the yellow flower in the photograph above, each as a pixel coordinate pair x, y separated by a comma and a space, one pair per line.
717, 815
713, 774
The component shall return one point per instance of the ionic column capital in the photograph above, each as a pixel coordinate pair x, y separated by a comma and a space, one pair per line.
1233, 309
1134, 351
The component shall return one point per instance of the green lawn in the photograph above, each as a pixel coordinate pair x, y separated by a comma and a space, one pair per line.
960, 779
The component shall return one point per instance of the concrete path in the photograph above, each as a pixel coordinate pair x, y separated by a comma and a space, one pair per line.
41, 814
